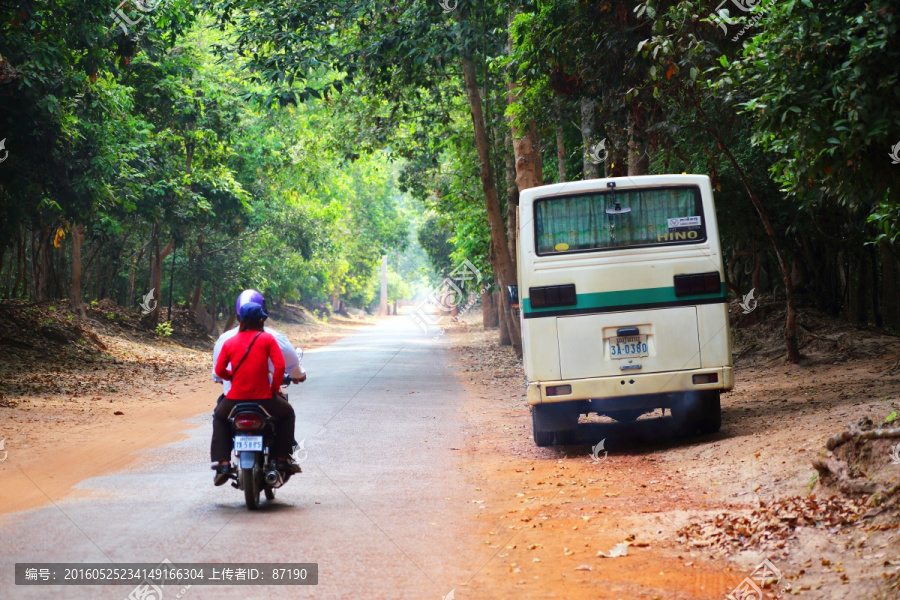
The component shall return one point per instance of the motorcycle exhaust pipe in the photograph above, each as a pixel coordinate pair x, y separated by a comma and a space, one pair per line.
273, 479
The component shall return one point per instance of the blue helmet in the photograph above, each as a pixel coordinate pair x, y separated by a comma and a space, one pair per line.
249, 296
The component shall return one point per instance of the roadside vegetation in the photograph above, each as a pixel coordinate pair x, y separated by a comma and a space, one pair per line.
193, 149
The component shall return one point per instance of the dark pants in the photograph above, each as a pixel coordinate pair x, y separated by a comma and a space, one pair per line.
282, 413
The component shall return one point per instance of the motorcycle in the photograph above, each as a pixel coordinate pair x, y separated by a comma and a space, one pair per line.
253, 430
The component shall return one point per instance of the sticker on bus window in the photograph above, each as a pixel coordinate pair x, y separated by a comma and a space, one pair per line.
561, 247
681, 223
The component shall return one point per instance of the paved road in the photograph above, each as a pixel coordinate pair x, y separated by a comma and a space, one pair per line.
378, 506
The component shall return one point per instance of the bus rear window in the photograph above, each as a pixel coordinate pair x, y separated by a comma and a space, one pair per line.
623, 219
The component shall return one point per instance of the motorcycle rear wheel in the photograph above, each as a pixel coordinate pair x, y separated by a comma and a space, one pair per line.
251, 488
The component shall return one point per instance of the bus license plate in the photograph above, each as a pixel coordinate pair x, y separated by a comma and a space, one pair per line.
628, 347
248, 443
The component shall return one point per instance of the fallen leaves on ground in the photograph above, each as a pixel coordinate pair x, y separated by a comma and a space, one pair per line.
771, 525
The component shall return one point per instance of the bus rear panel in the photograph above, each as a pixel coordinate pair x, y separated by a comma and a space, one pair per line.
623, 303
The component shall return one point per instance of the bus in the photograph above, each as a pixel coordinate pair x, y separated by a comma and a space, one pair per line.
622, 303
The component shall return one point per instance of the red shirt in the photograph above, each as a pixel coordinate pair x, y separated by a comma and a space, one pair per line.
252, 382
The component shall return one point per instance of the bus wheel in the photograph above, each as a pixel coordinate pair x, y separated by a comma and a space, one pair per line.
554, 421
541, 437
698, 411
710, 419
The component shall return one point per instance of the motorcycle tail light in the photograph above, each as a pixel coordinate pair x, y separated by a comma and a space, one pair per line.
247, 422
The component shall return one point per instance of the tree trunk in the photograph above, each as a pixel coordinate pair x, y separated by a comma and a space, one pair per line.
214, 312
171, 285
503, 338
75, 292
890, 289
39, 251
156, 259
335, 302
196, 295
229, 324
861, 290
132, 277
560, 141
638, 148
588, 121
876, 288
790, 325
504, 264
20, 263
9, 272
488, 310
512, 198
203, 316
527, 152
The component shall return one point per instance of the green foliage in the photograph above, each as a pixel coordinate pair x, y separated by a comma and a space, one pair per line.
155, 139
290, 146
164, 329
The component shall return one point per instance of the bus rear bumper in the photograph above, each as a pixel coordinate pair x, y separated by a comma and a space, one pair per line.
648, 390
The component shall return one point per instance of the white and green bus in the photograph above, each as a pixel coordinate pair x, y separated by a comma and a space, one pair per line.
623, 305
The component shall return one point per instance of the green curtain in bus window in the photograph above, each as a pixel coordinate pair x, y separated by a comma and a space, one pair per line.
582, 222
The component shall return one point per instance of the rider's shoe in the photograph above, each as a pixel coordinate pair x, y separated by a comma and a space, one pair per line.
223, 474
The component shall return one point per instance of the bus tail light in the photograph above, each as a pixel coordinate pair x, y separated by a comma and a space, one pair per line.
552, 295
699, 283
705, 378
559, 390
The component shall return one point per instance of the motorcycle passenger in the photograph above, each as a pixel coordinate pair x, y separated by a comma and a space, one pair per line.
249, 353
291, 359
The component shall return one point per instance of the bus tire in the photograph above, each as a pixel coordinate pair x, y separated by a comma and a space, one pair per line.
542, 437
710, 418
698, 411
557, 421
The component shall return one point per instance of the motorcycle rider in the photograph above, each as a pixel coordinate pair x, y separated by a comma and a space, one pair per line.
251, 311
291, 359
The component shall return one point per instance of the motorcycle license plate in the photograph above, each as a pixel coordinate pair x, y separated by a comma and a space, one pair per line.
251, 443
